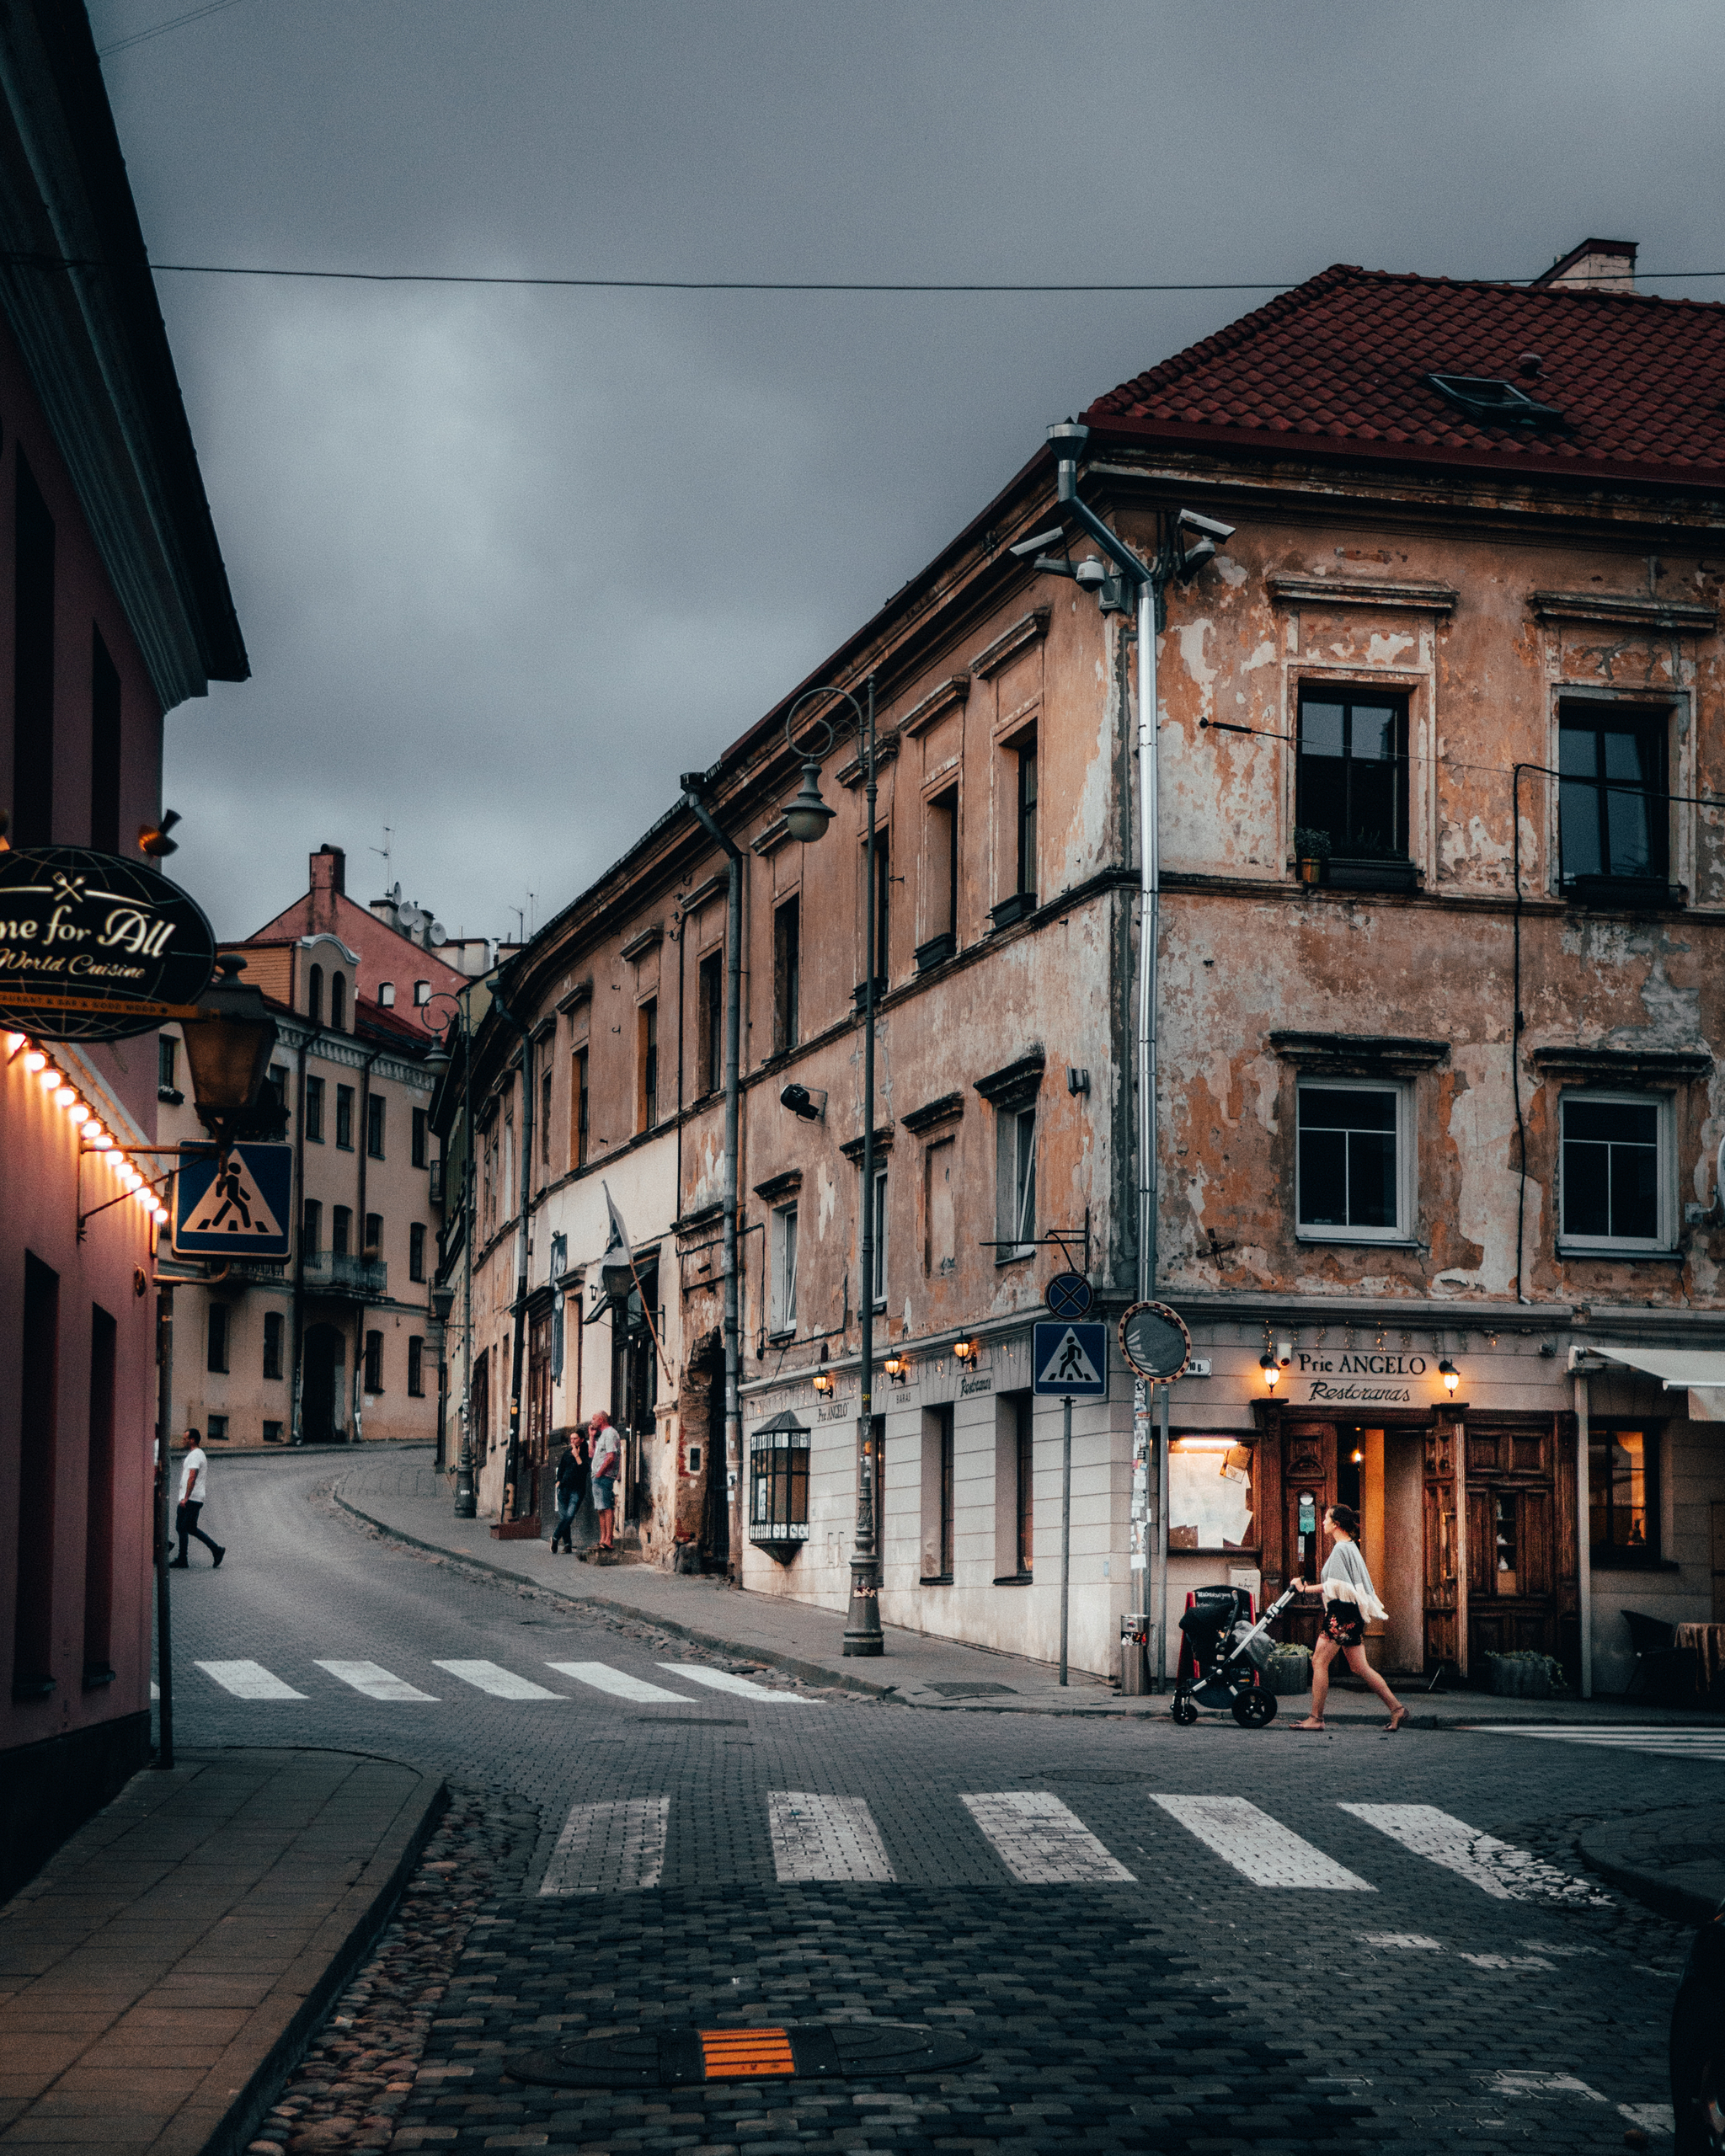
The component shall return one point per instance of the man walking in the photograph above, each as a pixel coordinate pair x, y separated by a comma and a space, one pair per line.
193, 1494
571, 1489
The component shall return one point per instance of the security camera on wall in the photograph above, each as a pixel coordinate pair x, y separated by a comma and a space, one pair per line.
808, 1101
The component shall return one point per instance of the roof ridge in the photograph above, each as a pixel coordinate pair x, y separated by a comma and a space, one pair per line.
1242, 330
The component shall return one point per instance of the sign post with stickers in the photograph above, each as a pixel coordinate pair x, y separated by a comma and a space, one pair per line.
1068, 1362
1158, 1349
233, 1205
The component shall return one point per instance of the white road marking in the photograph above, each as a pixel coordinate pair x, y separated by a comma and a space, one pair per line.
1542, 2085
604, 1679
609, 1848
722, 1680
248, 1680
1508, 1962
376, 1681
1663, 1743
1651, 2118
1508, 1874
502, 1683
825, 1837
1039, 1841
1269, 1854
1416, 1939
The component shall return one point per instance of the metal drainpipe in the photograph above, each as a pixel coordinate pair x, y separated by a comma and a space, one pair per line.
1149, 865
297, 1429
511, 1463
365, 1150
733, 1061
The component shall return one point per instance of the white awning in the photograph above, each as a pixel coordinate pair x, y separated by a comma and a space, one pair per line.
1678, 1369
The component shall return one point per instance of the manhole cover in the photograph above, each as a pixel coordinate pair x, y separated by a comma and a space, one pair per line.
814, 2051
967, 1691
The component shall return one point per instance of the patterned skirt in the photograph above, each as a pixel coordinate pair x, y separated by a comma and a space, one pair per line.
1344, 1624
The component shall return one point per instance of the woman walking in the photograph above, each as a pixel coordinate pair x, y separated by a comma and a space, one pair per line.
1350, 1604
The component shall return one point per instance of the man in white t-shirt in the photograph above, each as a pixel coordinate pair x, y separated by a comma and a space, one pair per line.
193, 1494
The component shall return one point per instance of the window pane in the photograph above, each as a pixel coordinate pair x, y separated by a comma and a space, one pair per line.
1579, 751
1586, 1189
1209, 1494
1635, 1191
1629, 834
1375, 793
1627, 755
1374, 733
1371, 1179
1578, 828
1321, 729
1624, 1123
1338, 1108
1323, 1179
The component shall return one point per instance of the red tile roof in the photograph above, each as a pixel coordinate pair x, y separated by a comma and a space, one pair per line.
1337, 367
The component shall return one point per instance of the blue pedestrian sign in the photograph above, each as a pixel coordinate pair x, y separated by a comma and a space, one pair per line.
234, 1205
1071, 1361
1069, 1296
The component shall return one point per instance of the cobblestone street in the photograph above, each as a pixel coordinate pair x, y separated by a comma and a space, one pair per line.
1152, 1937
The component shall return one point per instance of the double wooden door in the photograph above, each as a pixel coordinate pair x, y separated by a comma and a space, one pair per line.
1500, 1542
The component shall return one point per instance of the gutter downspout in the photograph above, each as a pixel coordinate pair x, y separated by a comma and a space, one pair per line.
360, 1319
511, 1463
733, 1051
1584, 1553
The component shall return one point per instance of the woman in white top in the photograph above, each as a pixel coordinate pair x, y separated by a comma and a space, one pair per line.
1350, 1604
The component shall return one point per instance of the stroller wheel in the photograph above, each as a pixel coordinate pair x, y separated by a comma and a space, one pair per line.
1185, 1710
1254, 1708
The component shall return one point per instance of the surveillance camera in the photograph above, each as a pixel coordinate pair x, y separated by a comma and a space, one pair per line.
1189, 519
1035, 545
809, 1103
1091, 572
1193, 559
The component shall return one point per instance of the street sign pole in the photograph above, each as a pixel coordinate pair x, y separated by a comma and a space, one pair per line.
1161, 1604
1066, 1524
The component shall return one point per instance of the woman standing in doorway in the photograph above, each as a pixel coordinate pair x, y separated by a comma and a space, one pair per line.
1350, 1604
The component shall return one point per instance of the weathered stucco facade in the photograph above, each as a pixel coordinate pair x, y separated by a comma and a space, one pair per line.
1380, 841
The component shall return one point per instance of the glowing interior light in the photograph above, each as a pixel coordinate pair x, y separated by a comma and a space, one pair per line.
35, 1060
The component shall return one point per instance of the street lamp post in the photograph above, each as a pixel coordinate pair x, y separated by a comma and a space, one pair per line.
807, 818
466, 1505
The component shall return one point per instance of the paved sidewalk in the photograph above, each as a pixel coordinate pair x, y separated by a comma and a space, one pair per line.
1673, 1859
413, 1504
165, 1970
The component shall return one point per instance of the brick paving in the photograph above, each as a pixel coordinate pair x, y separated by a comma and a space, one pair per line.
1187, 2009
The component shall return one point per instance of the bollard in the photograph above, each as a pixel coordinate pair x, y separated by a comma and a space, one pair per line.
1134, 1661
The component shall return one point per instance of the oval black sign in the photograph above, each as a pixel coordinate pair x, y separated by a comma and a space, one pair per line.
1154, 1342
93, 947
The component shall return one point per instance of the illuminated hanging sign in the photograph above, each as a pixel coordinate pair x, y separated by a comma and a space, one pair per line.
93, 947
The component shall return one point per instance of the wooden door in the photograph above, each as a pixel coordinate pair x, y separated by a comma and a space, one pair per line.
1441, 1547
534, 1458
1718, 1520
1308, 1490
1512, 1569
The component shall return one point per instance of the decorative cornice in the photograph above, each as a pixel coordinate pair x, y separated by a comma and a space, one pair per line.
641, 943
1029, 628
782, 1185
936, 705
1623, 609
886, 747
582, 992
1014, 1081
1363, 591
713, 888
852, 1147
947, 1109
1355, 1054
1677, 1065
767, 841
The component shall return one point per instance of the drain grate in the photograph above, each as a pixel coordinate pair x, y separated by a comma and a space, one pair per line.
671, 2058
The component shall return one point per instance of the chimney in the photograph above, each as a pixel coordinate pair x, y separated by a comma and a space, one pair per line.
1596, 265
328, 868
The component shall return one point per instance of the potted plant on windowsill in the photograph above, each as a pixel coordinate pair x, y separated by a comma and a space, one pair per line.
1311, 849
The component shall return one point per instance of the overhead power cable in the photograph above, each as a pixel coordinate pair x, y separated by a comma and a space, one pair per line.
160, 30
699, 284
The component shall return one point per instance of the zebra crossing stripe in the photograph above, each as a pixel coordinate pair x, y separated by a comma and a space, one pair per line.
825, 1837
1039, 1841
1508, 1874
604, 1679
1269, 1854
248, 1680
376, 1681
609, 1848
722, 1680
1662, 1743
502, 1683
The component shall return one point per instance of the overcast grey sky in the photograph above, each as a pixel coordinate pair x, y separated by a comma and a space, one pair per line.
507, 561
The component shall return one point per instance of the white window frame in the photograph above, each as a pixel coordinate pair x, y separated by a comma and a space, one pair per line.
1406, 1164
781, 1317
1015, 1191
1615, 1096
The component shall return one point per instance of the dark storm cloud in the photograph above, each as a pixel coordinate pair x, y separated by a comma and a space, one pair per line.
508, 561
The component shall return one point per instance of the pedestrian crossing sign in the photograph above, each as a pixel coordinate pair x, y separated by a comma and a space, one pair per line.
233, 1205
1071, 1361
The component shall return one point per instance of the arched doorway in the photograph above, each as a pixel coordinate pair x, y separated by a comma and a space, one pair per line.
323, 1390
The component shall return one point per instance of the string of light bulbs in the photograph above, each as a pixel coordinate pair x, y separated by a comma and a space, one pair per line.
93, 1136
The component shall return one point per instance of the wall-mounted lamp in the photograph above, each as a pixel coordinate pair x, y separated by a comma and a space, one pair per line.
1271, 1368
1450, 1375
1356, 1455
894, 1366
965, 1350
823, 1381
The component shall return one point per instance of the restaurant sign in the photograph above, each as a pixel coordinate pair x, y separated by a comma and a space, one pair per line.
94, 947
1360, 1377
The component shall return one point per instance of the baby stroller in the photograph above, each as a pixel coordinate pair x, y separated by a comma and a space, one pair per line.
1224, 1655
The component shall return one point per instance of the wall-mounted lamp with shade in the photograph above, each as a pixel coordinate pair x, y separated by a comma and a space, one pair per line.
1271, 1368
823, 1381
895, 1365
1450, 1375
